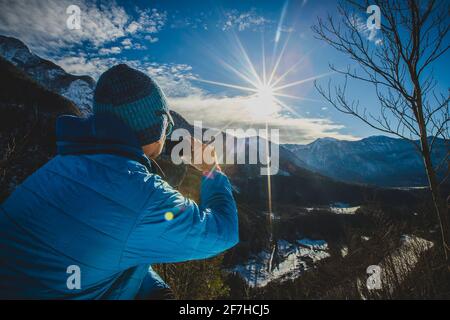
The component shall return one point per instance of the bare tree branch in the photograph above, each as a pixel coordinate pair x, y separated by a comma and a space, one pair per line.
398, 61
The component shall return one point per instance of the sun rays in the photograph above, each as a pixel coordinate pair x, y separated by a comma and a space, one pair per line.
264, 87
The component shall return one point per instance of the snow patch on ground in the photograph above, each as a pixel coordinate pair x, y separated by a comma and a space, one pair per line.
337, 207
344, 251
289, 261
343, 208
272, 215
396, 267
313, 244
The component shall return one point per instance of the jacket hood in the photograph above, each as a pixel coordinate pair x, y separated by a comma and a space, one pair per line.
97, 134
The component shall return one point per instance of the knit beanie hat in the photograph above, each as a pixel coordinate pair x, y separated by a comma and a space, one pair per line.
136, 99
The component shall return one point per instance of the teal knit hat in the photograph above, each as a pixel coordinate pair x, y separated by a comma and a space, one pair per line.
136, 99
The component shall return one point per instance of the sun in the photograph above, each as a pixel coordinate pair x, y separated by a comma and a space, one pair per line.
266, 92
263, 102
265, 88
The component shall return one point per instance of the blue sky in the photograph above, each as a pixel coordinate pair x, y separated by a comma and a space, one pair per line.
182, 44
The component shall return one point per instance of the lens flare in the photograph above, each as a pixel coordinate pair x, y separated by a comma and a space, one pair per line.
169, 216
265, 92
266, 88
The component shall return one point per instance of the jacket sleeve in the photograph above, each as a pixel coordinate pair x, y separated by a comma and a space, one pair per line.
174, 228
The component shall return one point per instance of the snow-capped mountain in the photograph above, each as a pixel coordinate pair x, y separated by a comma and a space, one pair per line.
377, 160
78, 89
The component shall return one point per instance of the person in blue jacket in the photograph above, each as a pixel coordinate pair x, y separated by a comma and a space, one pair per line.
90, 223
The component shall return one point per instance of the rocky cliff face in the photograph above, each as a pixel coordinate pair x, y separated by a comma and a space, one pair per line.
78, 89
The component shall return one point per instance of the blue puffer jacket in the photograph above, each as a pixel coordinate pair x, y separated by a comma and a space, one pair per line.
97, 206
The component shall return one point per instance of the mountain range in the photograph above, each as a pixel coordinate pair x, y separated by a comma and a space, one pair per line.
376, 160
78, 89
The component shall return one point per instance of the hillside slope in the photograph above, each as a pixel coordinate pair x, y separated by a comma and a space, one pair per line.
78, 89
28, 113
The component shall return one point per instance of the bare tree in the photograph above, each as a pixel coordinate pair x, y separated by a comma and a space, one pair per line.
398, 61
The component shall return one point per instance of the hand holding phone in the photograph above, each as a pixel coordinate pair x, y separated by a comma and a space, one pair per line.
203, 156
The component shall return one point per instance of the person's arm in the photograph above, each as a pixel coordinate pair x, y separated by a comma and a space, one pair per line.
176, 229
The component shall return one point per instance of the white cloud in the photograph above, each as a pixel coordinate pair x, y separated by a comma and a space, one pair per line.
108, 51
151, 39
138, 46
361, 26
195, 21
152, 20
173, 78
239, 112
129, 44
42, 24
214, 111
81, 65
133, 27
43, 27
244, 20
